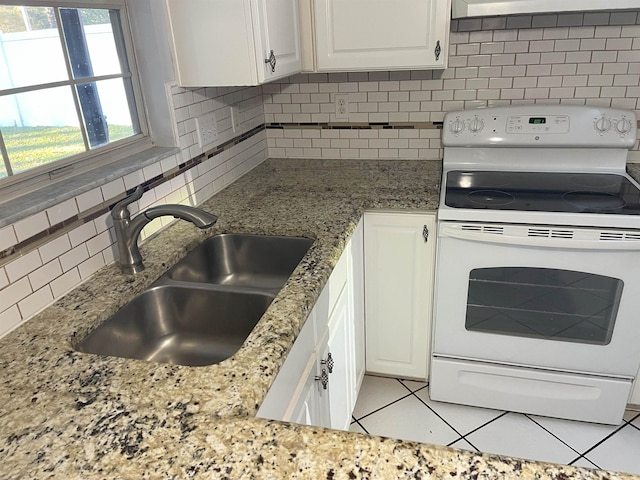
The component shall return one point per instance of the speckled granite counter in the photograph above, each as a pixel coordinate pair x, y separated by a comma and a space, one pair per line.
65, 414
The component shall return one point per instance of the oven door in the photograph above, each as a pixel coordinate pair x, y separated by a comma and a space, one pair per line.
548, 297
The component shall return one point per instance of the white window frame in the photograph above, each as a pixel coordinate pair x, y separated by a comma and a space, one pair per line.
38, 177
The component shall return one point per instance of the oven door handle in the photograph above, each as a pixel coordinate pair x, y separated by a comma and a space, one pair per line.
451, 231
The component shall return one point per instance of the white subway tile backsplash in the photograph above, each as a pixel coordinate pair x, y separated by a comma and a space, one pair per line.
23, 265
92, 265
14, 292
9, 319
625, 80
579, 57
589, 69
615, 68
113, 189
8, 237
30, 226
62, 211
54, 248
601, 80
45, 274
99, 243
549, 82
83, 233
4, 281
35, 302
555, 33
88, 200
582, 32
73, 257
575, 81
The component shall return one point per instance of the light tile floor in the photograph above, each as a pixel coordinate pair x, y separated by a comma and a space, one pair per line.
402, 409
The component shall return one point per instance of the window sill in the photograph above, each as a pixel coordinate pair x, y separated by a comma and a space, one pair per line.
31, 203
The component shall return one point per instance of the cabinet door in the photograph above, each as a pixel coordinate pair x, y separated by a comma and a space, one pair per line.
226, 42
399, 268
342, 378
381, 34
312, 399
276, 23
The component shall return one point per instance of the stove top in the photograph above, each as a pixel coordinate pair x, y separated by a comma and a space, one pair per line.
599, 193
540, 164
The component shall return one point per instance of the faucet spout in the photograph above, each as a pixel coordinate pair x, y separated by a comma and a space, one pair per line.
199, 218
128, 230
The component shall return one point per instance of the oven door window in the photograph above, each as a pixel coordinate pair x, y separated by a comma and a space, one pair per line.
543, 303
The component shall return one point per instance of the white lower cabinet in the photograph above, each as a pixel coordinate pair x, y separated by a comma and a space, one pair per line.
399, 264
319, 381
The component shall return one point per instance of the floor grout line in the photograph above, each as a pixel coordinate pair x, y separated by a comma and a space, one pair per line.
579, 455
381, 408
553, 434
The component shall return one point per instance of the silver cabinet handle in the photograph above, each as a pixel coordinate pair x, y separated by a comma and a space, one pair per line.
437, 50
425, 234
271, 61
323, 379
328, 362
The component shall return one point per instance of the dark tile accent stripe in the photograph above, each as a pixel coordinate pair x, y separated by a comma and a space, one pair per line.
87, 216
355, 126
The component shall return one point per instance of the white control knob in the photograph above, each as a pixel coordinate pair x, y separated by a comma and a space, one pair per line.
456, 126
623, 126
476, 125
603, 124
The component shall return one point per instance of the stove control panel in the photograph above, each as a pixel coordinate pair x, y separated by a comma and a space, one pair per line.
538, 124
541, 125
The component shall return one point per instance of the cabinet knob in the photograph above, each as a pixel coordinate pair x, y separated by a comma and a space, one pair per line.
323, 379
271, 61
425, 234
437, 50
328, 362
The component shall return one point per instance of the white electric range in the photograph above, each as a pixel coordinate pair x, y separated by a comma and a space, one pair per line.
537, 305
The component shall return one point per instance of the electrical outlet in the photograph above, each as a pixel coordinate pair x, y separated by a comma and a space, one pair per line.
207, 129
342, 106
235, 118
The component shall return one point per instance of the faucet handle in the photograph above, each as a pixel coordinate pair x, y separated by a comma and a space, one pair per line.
120, 210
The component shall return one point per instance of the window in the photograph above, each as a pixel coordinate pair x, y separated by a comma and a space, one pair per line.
68, 91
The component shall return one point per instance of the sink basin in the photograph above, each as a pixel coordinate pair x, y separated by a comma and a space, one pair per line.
262, 262
179, 325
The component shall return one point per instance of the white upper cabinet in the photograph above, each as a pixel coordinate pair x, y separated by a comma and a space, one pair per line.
352, 35
229, 42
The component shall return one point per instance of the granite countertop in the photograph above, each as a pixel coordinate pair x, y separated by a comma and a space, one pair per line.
65, 414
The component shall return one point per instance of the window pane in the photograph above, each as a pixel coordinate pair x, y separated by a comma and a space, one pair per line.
30, 49
106, 111
543, 303
3, 170
90, 41
116, 109
35, 135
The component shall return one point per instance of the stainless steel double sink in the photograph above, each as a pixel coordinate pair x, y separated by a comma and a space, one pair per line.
201, 310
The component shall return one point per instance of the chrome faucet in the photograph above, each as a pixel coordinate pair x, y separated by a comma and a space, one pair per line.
128, 230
